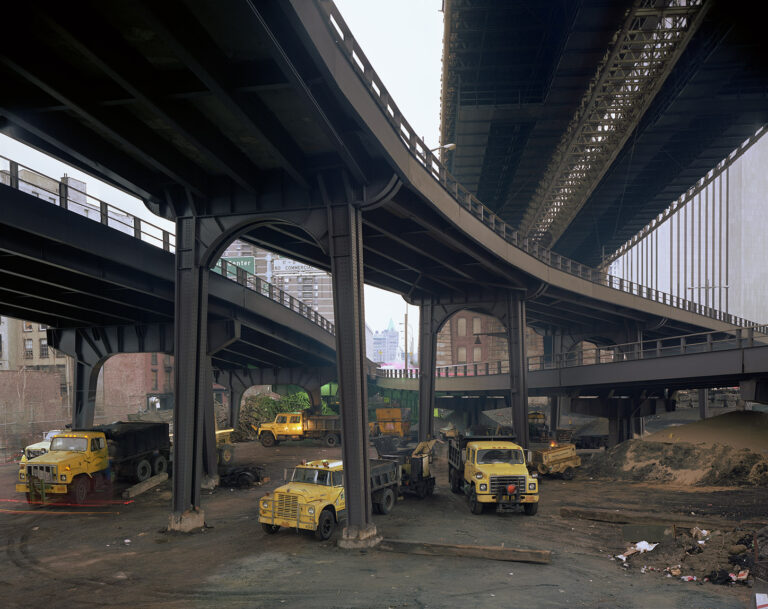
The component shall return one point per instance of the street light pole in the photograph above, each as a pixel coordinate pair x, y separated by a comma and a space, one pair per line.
406, 339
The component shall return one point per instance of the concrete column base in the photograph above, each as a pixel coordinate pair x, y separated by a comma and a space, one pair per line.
209, 483
353, 537
187, 522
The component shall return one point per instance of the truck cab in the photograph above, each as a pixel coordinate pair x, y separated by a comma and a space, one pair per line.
313, 499
71, 466
492, 470
286, 426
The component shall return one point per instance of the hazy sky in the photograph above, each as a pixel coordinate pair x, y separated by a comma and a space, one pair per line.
403, 41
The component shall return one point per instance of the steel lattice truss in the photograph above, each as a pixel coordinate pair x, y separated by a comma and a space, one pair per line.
641, 56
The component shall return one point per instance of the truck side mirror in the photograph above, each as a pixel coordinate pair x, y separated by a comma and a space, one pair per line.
285, 475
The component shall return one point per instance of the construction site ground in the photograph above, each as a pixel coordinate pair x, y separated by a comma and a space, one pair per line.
116, 554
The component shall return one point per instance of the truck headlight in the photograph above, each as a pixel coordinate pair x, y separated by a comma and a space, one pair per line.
531, 486
265, 504
483, 487
63, 477
311, 511
479, 475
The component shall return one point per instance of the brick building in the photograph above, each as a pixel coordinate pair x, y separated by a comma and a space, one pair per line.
469, 337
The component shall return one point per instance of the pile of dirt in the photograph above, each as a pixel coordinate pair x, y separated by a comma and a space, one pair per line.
720, 557
739, 429
682, 464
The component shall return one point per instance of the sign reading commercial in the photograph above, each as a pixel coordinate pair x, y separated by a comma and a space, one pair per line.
284, 266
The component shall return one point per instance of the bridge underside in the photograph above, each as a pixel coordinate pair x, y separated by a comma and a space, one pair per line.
507, 122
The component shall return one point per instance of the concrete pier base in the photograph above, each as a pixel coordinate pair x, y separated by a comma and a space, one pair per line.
187, 522
353, 538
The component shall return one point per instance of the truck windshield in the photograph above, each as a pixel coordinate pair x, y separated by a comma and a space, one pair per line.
79, 444
311, 476
500, 455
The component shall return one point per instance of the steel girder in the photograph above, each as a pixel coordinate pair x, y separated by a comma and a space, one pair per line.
644, 52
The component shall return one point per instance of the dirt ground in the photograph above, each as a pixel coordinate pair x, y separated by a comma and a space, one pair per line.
112, 554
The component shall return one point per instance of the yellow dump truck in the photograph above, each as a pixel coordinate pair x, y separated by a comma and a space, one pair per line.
391, 422
85, 460
298, 426
492, 470
557, 459
313, 498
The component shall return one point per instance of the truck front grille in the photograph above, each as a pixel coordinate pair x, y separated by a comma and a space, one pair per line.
46, 473
499, 484
287, 506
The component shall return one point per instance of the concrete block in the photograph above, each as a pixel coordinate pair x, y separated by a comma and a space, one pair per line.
142, 487
187, 522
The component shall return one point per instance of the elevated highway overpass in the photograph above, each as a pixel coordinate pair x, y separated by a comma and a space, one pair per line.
267, 123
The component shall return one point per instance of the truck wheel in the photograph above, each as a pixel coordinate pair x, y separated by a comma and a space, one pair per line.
326, 524
159, 465
270, 529
267, 439
569, 473
143, 470
226, 454
530, 508
331, 440
474, 505
78, 492
387, 501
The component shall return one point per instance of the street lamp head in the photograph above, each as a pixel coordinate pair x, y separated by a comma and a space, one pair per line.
451, 146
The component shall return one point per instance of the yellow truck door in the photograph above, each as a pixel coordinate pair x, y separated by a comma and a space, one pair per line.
295, 427
98, 457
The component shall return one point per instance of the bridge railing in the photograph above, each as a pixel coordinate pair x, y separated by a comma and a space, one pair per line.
421, 152
257, 284
701, 342
70, 197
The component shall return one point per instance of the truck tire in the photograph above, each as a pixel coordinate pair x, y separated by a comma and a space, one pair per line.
569, 473
386, 501
326, 525
159, 465
270, 529
530, 508
78, 492
143, 470
226, 454
331, 440
474, 505
267, 439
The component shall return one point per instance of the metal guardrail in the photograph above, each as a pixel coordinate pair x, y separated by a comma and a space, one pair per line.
69, 197
701, 342
421, 152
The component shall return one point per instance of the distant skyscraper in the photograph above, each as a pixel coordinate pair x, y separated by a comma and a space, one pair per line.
385, 345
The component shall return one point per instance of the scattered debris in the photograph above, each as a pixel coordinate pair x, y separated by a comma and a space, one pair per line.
697, 555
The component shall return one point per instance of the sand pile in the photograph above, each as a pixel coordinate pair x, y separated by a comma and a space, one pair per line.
740, 429
683, 463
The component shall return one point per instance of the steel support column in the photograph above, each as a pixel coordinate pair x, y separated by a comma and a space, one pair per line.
84, 403
703, 399
346, 248
210, 457
191, 382
514, 320
427, 358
